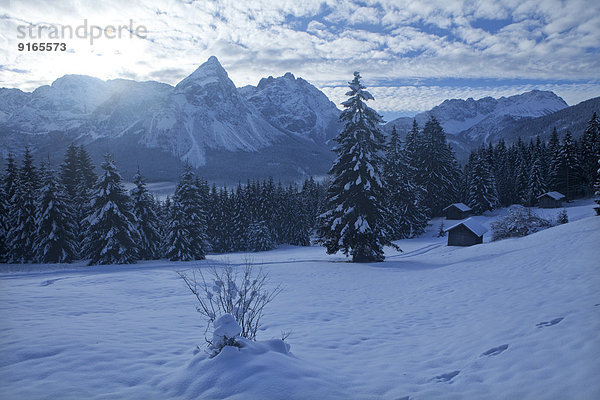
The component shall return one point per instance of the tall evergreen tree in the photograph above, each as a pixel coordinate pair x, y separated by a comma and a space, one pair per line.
10, 180
147, 223
86, 175
404, 198
240, 219
589, 152
483, 195
69, 171
188, 217
56, 237
178, 241
355, 218
437, 171
4, 210
22, 221
260, 237
537, 185
111, 237
565, 173
522, 181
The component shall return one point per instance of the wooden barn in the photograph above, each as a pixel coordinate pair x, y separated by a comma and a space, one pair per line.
457, 211
465, 233
550, 200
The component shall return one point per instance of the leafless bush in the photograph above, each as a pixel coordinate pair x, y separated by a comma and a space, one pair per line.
242, 293
519, 221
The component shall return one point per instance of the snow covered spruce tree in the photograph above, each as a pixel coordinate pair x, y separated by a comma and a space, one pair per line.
404, 198
437, 170
355, 218
259, 237
9, 186
21, 220
3, 225
565, 168
111, 236
589, 152
56, 231
597, 190
482, 193
537, 186
147, 223
186, 233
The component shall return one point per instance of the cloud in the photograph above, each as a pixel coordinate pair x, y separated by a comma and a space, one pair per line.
324, 41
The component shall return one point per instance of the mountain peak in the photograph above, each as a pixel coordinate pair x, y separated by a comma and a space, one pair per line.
210, 71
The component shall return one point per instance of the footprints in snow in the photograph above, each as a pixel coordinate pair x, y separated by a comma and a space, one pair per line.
447, 377
494, 351
549, 323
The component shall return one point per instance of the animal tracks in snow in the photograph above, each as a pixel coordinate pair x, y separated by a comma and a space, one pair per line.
447, 377
549, 323
494, 351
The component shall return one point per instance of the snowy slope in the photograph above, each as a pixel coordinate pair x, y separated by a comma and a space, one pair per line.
511, 319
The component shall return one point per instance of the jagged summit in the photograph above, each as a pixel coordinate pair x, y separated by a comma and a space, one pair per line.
210, 71
294, 106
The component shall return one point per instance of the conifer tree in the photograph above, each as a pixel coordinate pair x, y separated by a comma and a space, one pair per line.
178, 241
147, 223
8, 186
404, 198
483, 195
355, 218
10, 180
4, 209
437, 172
589, 152
86, 175
188, 217
565, 173
56, 232
111, 236
537, 186
22, 221
69, 171
312, 200
597, 190
522, 181
240, 219
259, 237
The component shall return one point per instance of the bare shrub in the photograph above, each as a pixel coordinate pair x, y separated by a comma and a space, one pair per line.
519, 221
243, 293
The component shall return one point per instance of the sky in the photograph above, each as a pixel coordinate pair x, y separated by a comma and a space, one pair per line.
412, 54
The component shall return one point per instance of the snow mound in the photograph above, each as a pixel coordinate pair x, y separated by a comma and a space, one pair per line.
256, 370
226, 327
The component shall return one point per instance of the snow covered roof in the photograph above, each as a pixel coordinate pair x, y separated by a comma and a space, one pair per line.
461, 206
554, 195
471, 225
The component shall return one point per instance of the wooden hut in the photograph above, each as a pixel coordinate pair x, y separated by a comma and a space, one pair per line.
550, 200
457, 211
465, 233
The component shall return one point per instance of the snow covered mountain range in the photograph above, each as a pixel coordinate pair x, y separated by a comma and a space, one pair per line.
469, 123
282, 127
203, 120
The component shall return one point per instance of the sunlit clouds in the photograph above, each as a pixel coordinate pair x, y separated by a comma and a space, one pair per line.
413, 54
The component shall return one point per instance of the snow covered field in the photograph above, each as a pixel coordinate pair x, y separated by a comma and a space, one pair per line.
514, 319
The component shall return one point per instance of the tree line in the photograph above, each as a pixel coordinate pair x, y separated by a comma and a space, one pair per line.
501, 175
379, 190
50, 217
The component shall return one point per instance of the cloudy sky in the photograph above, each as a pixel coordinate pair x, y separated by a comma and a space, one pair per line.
412, 54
